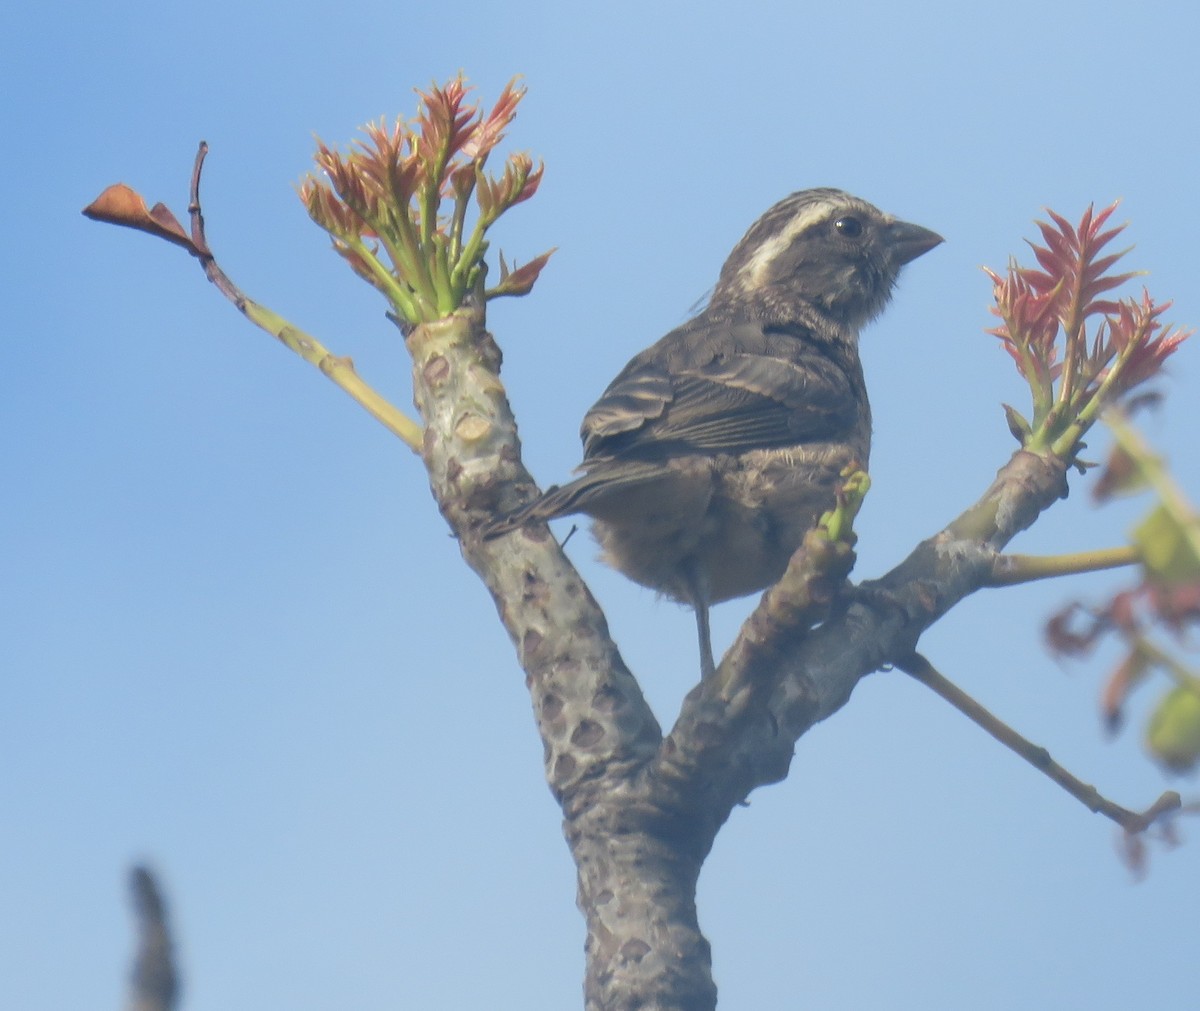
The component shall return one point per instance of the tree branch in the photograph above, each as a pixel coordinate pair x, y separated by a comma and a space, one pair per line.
877, 624
591, 714
920, 669
716, 713
119, 205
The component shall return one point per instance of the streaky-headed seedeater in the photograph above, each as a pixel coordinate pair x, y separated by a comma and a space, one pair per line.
714, 451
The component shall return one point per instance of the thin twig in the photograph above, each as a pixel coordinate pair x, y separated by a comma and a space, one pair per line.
194, 212
922, 670
1011, 570
340, 370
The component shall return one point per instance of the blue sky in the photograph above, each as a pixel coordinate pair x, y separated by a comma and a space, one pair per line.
237, 642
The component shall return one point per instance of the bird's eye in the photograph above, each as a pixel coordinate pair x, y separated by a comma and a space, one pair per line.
849, 226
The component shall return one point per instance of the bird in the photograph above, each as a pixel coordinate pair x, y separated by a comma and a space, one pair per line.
714, 451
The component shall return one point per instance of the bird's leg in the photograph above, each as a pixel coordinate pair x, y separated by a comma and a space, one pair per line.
707, 666
698, 589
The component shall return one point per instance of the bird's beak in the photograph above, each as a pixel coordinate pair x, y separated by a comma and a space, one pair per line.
906, 241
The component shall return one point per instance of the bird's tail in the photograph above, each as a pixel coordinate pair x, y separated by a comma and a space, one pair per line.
578, 496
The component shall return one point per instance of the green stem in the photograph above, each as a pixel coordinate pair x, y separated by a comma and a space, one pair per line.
396, 235
414, 267
458, 222
431, 193
1011, 570
449, 298
1066, 443
472, 253
407, 303
1042, 396
340, 370
1074, 326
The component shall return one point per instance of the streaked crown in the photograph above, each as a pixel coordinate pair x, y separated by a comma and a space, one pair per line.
825, 248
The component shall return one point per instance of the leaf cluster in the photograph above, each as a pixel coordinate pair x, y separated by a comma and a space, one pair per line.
397, 204
1078, 349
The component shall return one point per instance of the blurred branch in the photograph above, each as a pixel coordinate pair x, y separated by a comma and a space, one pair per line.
155, 982
1153, 472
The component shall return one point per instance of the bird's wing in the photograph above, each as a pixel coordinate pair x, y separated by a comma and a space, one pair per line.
731, 403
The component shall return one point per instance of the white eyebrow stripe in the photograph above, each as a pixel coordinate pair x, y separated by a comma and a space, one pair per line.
751, 271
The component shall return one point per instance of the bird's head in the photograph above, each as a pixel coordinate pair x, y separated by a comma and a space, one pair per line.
824, 248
